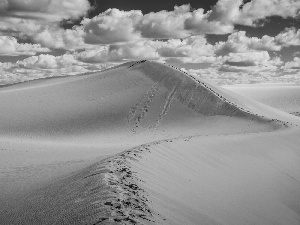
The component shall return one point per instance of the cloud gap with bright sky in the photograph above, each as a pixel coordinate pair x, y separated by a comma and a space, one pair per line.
224, 41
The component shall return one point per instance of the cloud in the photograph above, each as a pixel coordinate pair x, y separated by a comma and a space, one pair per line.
114, 53
112, 26
117, 26
42, 66
193, 47
48, 35
198, 24
293, 65
165, 24
55, 37
251, 58
51, 10
10, 46
227, 13
289, 37
48, 62
244, 63
239, 42
256, 10
33, 19
220, 20
200, 62
189, 47
114, 36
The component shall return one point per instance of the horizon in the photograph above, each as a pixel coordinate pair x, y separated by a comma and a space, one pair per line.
225, 41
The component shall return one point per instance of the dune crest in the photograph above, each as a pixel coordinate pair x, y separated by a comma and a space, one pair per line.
156, 128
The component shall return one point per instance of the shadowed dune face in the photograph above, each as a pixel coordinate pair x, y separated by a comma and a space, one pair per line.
154, 121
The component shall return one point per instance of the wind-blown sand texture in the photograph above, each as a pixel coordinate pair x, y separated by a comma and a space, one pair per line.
144, 143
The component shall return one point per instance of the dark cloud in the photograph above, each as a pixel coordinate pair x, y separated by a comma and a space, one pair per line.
240, 64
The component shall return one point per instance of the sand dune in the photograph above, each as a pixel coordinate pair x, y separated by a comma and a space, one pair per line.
144, 143
285, 97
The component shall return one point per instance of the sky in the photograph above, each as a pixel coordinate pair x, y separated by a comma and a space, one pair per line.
223, 41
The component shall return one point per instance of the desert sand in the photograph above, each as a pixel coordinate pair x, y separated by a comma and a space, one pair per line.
285, 97
146, 143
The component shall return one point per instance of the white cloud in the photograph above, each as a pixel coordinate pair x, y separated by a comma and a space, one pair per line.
220, 20
48, 62
17, 26
42, 66
112, 26
198, 24
10, 46
55, 37
116, 26
193, 47
201, 61
239, 42
189, 47
295, 64
226, 11
289, 37
53, 10
49, 35
114, 53
165, 24
256, 10
115, 36
251, 58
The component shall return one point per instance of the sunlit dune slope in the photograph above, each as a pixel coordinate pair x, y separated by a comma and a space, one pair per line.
131, 97
177, 149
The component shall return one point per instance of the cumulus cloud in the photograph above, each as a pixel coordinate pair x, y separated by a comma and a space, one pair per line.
256, 10
251, 58
198, 23
220, 20
177, 36
54, 10
112, 26
194, 63
236, 12
165, 24
48, 35
42, 66
289, 37
55, 37
115, 26
189, 47
115, 53
10, 46
239, 42
48, 61
192, 47
295, 64
18, 26
250, 67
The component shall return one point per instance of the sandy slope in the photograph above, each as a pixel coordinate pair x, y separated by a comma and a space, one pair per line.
285, 97
182, 151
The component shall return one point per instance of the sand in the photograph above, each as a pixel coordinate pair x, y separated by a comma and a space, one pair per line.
145, 143
285, 97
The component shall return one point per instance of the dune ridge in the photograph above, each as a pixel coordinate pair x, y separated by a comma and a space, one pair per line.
162, 128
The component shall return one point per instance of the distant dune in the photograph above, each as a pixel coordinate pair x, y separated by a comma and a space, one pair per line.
145, 143
285, 97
